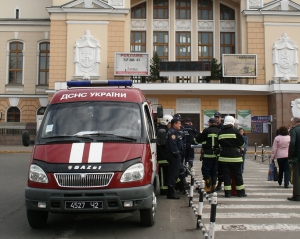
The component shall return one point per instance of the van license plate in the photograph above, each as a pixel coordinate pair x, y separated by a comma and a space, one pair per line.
84, 205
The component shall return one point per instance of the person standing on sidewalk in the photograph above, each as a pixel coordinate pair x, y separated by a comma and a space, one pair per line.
245, 148
230, 159
190, 133
280, 150
219, 124
294, 158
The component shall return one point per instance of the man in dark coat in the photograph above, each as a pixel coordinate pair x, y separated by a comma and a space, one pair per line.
190, 132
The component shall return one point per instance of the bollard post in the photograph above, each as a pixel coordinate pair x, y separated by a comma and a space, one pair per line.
200, 205
255, 151
262, 152
213, 214
191, 194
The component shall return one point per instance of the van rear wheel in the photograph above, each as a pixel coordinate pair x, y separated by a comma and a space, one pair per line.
37, 219
147, 216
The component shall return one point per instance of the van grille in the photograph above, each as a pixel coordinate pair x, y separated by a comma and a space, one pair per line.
83, 180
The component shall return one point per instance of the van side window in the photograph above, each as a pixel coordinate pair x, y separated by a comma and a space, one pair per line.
149, 123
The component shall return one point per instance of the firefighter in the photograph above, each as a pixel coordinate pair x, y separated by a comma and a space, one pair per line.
218, 118
190, 132
165, 124
174, 146
230, 159
210, 147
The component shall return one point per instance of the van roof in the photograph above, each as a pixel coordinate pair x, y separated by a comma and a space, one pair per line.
99, 94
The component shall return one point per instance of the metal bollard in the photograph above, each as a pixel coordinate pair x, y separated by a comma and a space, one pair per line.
192, 187
200, 205
255, 151
213, 214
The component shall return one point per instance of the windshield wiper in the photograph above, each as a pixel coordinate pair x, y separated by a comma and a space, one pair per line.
101, 133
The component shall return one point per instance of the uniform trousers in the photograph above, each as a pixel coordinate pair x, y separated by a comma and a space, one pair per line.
173, 170
296, 180
209, 167
235, 168
284, 170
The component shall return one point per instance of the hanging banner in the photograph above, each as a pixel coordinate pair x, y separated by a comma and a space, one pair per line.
259, 124
207, 114
244, 118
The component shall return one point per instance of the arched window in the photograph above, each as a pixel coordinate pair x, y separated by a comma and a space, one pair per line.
44, 57
15, 62
139, 11
13, 114
41, 111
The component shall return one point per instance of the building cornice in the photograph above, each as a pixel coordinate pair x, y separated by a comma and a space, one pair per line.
27, 22
277, 13
87, 10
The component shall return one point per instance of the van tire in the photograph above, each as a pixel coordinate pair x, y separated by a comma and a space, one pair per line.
147, 216
37, 219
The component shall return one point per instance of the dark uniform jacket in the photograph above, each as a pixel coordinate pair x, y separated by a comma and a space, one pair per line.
230, 141
209, 140
174, 143
190, 133
294, 148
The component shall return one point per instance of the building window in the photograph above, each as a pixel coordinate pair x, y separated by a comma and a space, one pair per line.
226, 13
227, 40
205, 46
17, 13
183, 9
160, 44
183, 46
139, 11
44, 58
205, 10
161, 9
13, 114
15, 63
41, 111
138, 41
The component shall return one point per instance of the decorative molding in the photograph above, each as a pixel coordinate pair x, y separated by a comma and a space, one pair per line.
86, 56
43, 101
206, 25
16, 35
87, 4
254, 4
227, 25
139, 24
184, 25
285, 59
13, 101
13, 89
116, 3
188, 105
88, 22
227, 106
161, 25
282, 24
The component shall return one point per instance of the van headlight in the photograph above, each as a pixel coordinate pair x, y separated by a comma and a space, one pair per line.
37, 174
133, 173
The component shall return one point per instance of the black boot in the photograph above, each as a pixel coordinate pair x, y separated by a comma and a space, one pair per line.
241, 193
207, 184
227, 193
171, 193
219, 186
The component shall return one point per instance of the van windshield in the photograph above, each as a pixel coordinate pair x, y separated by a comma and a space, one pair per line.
96, 118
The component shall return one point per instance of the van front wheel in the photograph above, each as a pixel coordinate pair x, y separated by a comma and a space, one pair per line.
37, 219
148, 215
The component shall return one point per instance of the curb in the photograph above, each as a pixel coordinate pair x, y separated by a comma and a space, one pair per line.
14, 151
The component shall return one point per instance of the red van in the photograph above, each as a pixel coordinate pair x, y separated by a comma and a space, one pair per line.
95, 151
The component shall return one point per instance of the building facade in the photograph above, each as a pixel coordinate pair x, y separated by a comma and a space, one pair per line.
45, 43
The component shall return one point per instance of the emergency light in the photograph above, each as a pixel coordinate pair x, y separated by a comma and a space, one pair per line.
91, 83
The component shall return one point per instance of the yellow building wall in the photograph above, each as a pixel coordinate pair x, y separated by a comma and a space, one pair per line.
256, 103
28, 108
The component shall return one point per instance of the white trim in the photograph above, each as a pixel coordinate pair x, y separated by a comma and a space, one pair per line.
88, 10
24, 96
38, 22
88, 22
281, 24
18, 89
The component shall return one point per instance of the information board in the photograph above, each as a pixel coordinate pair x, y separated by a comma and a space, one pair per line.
239, 65
131, 64
259, 124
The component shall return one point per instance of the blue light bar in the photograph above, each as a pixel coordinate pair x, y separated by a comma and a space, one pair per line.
87, 83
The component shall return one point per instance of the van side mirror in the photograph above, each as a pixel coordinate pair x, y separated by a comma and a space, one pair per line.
160, 111
26, 139
161, 136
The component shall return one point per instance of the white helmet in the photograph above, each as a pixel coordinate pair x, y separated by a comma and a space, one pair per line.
229, 120
166, 119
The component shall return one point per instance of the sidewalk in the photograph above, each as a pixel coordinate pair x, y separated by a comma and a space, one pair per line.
6, 149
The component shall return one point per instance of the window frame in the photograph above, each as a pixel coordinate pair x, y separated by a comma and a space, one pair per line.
13, 115
9, 55
183, 9
209, 45
39, 63
209, 9
179, 45
134, 11
164, 8
142, 45
163, 44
